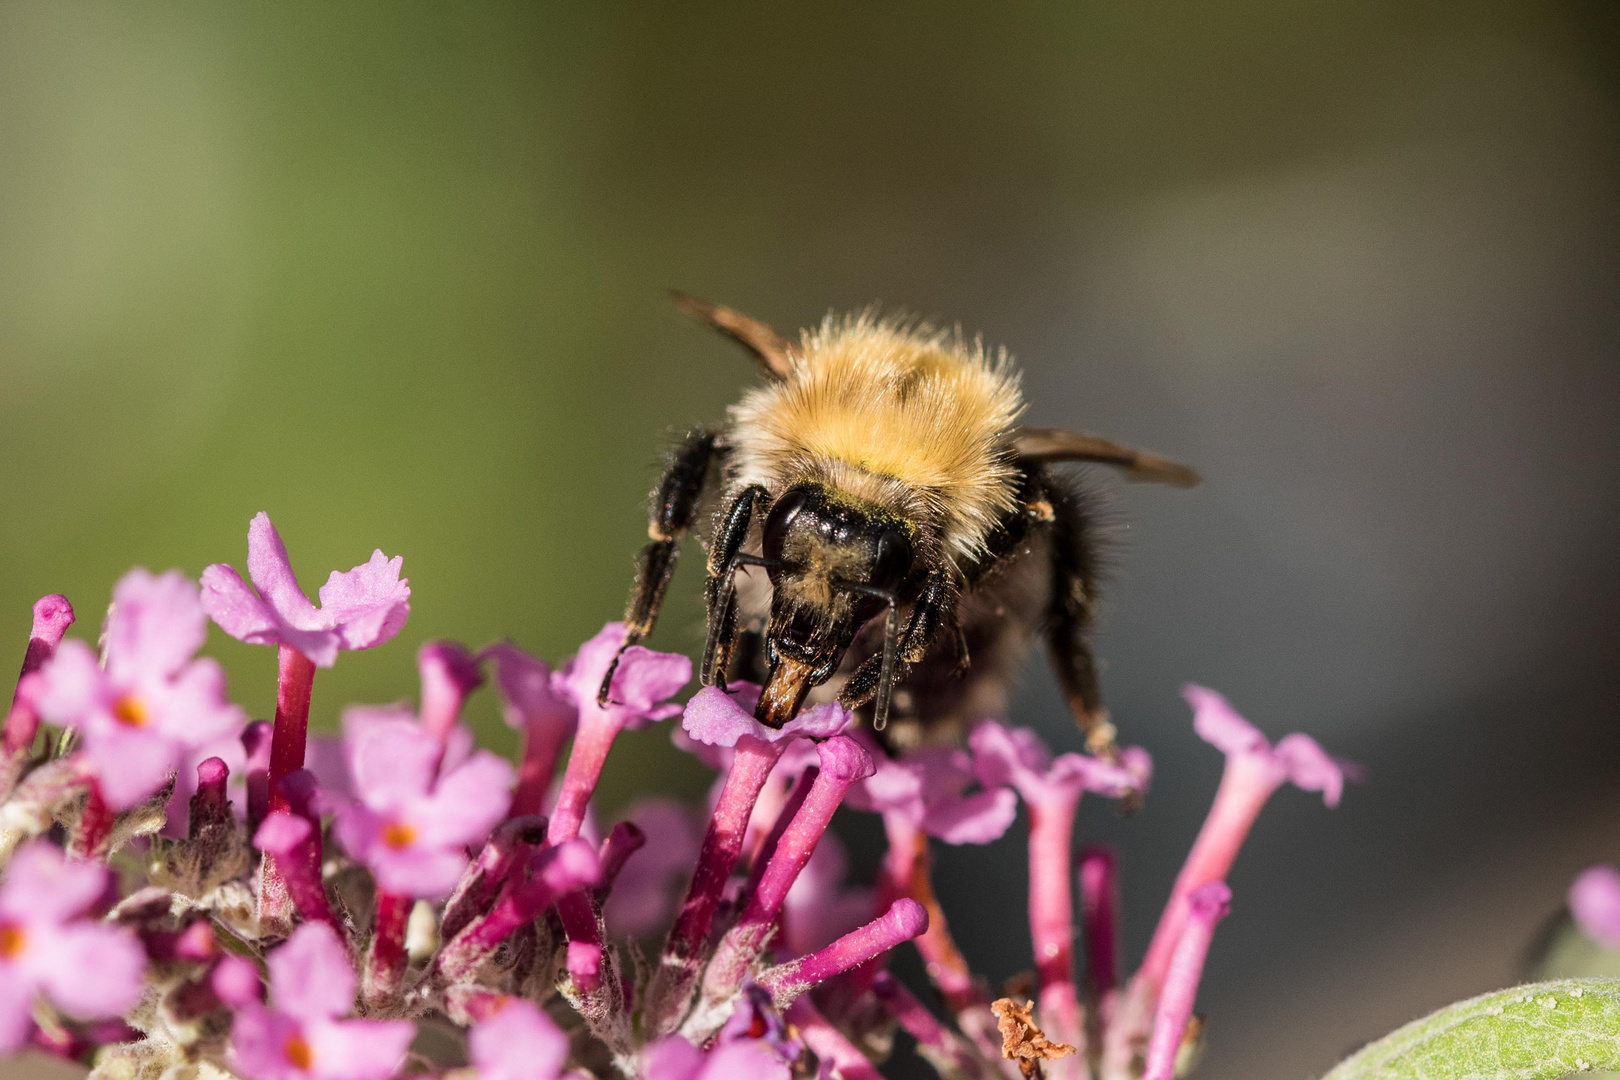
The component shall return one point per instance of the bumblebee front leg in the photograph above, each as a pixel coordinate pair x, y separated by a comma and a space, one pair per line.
731, 527
931, 612
674, 508
1072, 610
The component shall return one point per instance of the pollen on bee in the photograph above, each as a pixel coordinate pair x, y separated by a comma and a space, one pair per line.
399, 834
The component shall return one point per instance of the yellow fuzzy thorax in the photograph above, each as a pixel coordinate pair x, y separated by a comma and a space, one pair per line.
907, 417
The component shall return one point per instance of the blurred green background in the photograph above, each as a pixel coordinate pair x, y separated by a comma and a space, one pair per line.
394, 273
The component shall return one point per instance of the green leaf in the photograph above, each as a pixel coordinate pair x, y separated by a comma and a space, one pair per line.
1539, 1031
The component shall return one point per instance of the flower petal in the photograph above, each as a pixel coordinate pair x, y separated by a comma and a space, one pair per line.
310, 976
94, 971
155, 625
1220, 725
16, 1009
1594, 901
391, 760
977, 819
271, 572
467, 803
1309, 767
68, 687
527, 696
369, 604
130, 763
358, 1049
42, 885
520, 1042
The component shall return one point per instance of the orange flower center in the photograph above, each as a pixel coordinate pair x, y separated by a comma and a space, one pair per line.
297, 1052
12, 940
398, 835
131, 711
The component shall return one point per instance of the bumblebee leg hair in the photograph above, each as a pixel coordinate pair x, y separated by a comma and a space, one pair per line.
1072, 612
932, 611
674, 507
725, 556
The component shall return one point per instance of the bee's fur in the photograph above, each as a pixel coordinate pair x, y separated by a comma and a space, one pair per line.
880, 470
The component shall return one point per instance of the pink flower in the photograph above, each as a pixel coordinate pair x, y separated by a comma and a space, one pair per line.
928, 790
301, 1038
715, 717
87, 969
1017, 757
519, 1042
674, 1058
1296, 759
359, 609
642, 683
1594, 901
412, 824
643, 896
153, 707
545, 718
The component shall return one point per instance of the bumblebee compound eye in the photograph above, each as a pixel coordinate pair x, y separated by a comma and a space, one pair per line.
892, 561
780, 520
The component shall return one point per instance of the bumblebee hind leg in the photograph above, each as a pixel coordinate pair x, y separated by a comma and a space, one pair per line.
1072, 611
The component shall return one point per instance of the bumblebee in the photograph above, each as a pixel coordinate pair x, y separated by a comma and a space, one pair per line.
883, 531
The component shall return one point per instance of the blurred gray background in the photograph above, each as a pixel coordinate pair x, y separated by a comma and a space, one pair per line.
395, 273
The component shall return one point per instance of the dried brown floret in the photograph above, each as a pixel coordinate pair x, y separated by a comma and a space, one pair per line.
1022, 1040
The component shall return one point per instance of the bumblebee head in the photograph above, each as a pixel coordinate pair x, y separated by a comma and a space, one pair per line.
834, 563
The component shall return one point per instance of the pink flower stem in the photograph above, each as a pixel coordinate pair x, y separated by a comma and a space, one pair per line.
1051, 924
943, 1048
386, 959
584, 959
300, 878
1206, 906
256, 739
678, 969
1099, 909
829, 1044
1246, 784
747, 937
904, 920
623, 841
92, 833
486, 874
542, 740
773, 839
52, 616
557, 872
295, 680
585, 761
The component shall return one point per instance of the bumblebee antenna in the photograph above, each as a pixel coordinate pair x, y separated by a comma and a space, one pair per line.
775, 353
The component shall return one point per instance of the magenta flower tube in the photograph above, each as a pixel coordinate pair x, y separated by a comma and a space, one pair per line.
904, 920
52, 616
829, 1044
1206, 906
1099, 910
386, 959
943, 1048
557, 871
1051, 920
843, 762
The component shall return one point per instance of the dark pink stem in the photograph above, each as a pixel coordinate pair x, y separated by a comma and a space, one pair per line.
584, 958
596, 734
557, 872
294, 845
256, 739
623, 841
1099, 909
52, 616
542, 740
295, 681
1206, 906
677, 974
829, 1044
92, 834
790, 808
943, 1048
843, 762
386, 959
513, 838
1051, 922
903, 921
1246, 784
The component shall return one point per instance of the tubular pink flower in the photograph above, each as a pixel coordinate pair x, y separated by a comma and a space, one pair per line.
555, 872
52, 616
360, 609
843, 762
1206, 906
839, 1057
1051, 789
943, 1048
928, 789
642, 898
545, 718
412, 823
47, 946
295, 844
1099, 911
716, 717
641, 684
1594, 901
724, 718
256, 751
512, 841
449, 673
518, 1042
904, 920
151, 703
301, 1037
1254, 769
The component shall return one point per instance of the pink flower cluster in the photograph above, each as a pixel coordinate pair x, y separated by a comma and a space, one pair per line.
401, 902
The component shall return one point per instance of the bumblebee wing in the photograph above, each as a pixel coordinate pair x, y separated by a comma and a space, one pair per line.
1053, 444
774, 352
